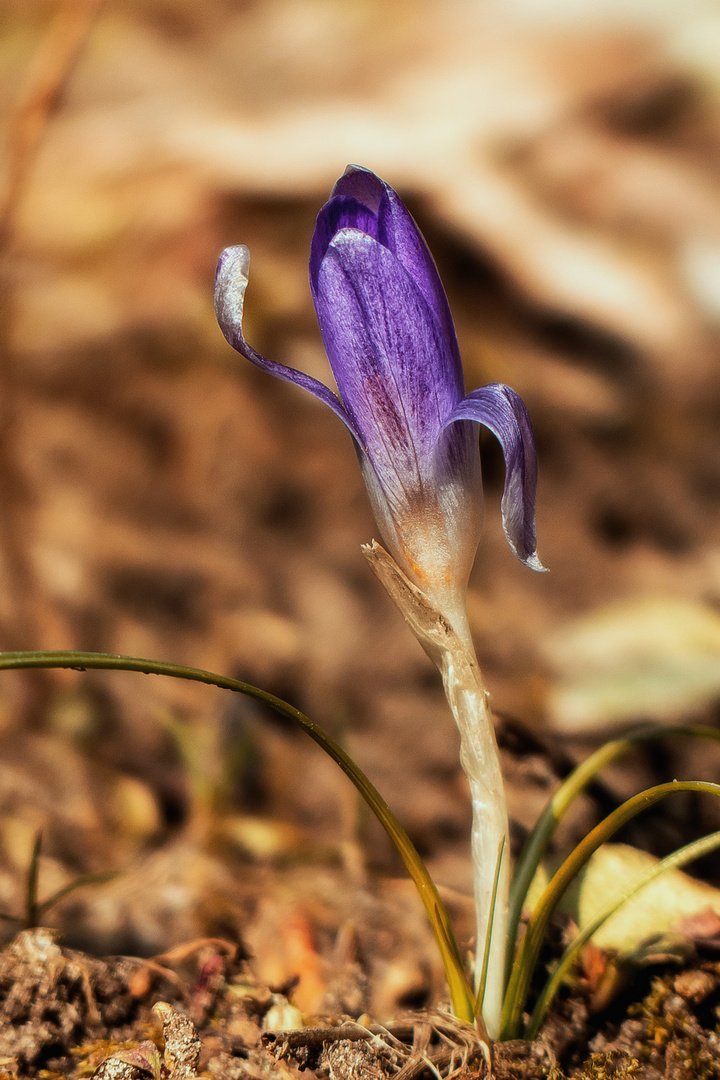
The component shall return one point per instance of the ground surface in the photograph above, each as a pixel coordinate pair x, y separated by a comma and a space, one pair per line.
161, 498
65, 1013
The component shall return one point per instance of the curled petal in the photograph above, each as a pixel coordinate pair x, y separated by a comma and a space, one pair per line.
231, 280
499, 409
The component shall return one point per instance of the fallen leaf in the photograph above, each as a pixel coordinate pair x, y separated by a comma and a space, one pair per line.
657, 910
647, 656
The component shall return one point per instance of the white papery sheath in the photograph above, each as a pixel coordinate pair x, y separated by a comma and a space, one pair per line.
455, 658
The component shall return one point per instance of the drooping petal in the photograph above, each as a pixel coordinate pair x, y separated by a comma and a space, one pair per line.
231, 280
393, 367
499, 409
363, 201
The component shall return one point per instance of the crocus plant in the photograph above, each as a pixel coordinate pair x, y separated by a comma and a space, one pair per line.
391, 343
389, 336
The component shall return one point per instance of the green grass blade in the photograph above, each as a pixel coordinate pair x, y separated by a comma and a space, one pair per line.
194, 758
527, 956
460, 992
31, 891
482, 981
539, 838
101, 878
678, 858
442, 928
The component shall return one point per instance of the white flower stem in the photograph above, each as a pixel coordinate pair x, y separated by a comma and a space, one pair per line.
468, 702
450, 648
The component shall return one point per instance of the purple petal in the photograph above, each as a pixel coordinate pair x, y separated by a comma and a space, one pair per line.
499, 408
353, 204
393, 367
361, 200
341, 212
231, 280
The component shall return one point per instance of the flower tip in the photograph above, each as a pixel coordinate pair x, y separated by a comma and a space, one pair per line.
362, 184
232, 261
523, 548
231, 278
533, 563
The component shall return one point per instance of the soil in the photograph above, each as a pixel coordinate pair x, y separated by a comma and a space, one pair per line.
202, 1010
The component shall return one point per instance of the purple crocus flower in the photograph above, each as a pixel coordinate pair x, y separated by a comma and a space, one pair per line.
389, 336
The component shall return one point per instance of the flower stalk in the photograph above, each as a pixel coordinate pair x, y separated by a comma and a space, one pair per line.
467, 697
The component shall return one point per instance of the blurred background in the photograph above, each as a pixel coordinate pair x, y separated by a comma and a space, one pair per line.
160, 497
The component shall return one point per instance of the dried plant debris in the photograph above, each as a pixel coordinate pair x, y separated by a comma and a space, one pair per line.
404, 1048
180, 1056
143, 1061
182, 1045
